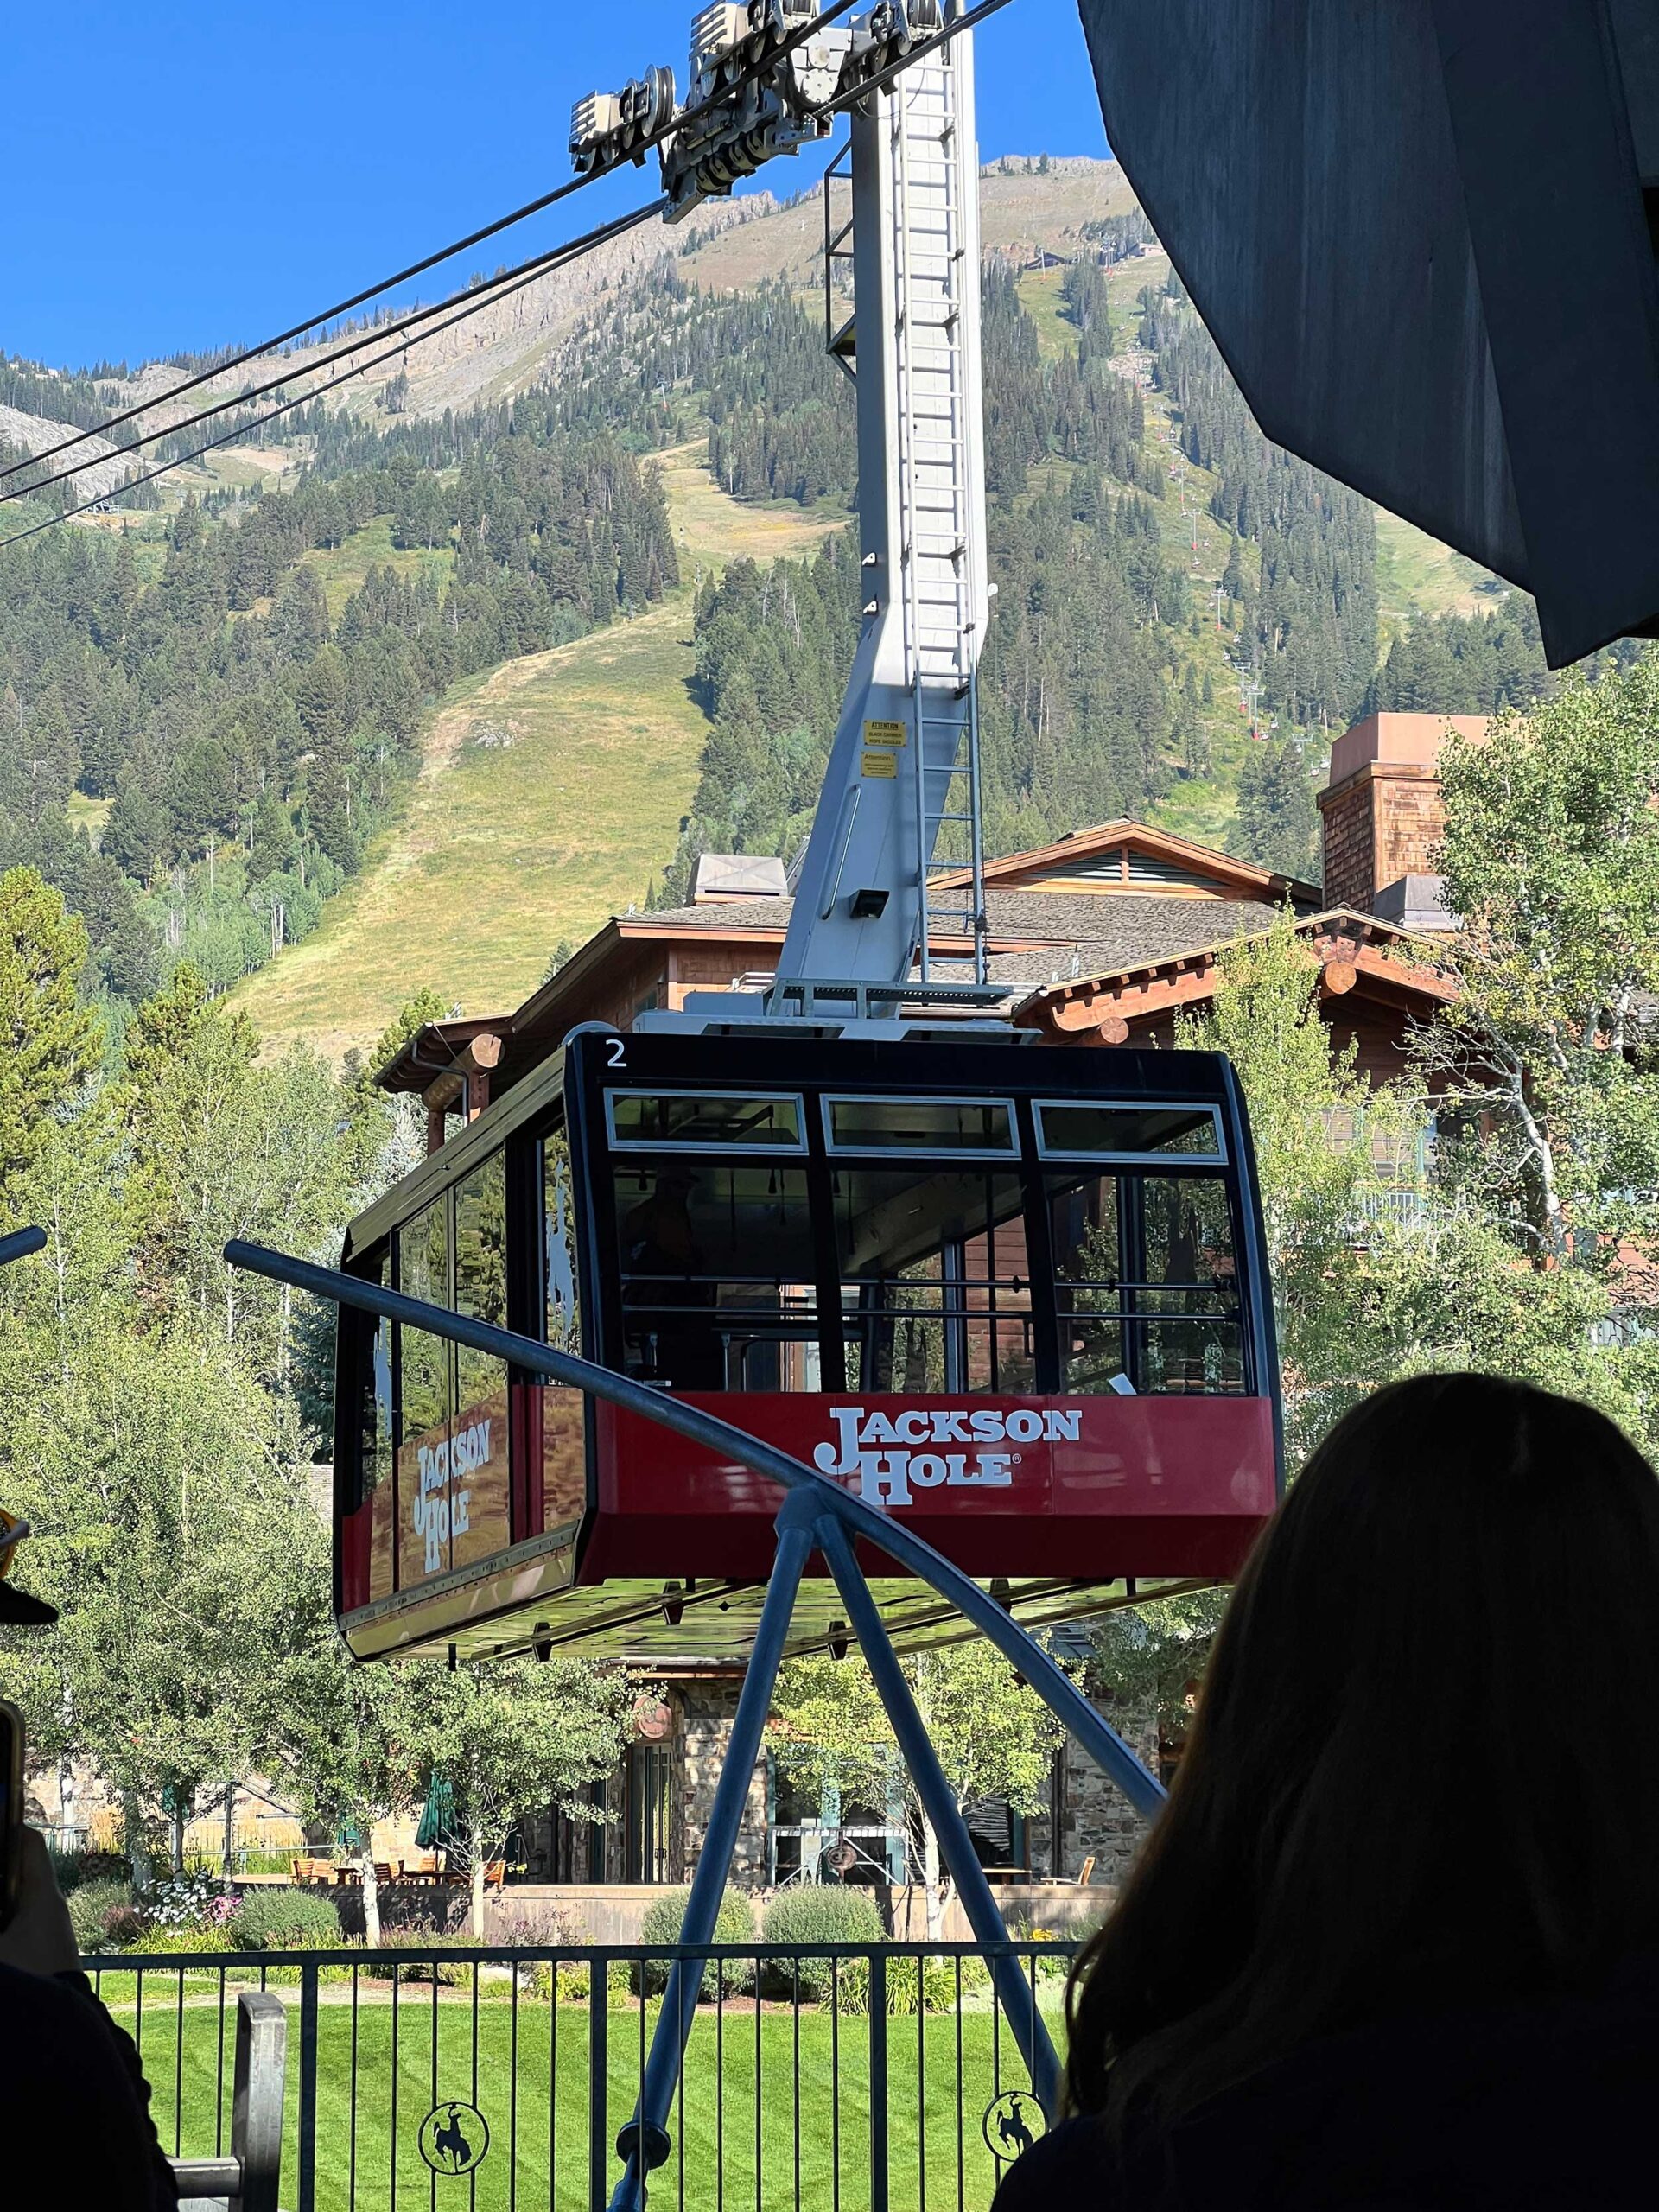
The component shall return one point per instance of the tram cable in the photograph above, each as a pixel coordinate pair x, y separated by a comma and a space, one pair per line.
475, 299
646, 144
854, 94
480, 294
486, 296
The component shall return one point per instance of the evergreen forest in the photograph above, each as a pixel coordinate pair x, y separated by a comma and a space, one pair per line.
198, 741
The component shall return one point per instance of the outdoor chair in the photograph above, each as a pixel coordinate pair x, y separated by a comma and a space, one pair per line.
248, 2179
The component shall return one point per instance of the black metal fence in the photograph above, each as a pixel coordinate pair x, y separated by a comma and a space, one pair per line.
821, 2080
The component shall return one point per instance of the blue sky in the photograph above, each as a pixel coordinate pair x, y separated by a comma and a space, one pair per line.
180, 174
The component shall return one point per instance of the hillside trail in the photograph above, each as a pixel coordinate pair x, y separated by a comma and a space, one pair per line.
551, 793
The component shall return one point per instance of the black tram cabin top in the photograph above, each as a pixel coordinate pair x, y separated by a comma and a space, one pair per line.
1017, 1295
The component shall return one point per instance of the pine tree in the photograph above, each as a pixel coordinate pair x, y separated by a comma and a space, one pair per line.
50, 1041
1278, 821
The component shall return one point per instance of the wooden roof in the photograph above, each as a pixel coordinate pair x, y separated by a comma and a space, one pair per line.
1129, 858
1355, 951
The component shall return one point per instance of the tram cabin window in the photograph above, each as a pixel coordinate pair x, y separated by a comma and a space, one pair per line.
375, 1420
1145, 1286
714, 1248
1083, 1129
480, 1489
950, 1125
936, 1285
424, 1404
652, 1119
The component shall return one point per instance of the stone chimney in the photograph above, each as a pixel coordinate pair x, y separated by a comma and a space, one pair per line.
1382, 818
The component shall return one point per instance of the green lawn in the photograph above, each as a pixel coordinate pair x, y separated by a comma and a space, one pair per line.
525, 2067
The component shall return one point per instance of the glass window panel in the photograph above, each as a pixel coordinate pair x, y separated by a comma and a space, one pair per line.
376, 1427
649, 1818
1084, 1227
717, 1274
1093, 1129
380, 1464
919, 1125
481, 1488
654, 1118
1145, 1283
558, 1416
424, 1404
559, 1240
936, 1290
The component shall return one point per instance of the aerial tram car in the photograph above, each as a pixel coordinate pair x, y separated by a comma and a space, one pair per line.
1013, 1295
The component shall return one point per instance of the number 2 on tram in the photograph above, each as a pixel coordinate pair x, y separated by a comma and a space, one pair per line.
1016, 1295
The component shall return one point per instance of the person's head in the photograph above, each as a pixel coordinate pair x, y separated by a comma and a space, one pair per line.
1425, 1761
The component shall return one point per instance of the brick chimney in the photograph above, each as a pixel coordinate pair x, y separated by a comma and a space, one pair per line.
1384, 817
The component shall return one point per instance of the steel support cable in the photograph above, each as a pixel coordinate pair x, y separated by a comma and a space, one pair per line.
486, 296
1052, 1683
746, 77
479, 295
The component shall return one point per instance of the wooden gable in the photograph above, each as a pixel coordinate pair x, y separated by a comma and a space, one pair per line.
1130, 857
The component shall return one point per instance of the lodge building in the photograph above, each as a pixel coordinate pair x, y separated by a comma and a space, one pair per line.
1100, 938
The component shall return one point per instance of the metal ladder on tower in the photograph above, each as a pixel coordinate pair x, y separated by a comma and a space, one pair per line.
937, 541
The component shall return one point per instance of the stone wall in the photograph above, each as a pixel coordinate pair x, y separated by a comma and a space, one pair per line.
1090, 1818
705, 1714
1086, 1816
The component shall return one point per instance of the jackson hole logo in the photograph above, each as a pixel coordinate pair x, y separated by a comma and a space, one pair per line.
440, 1511
880, 1448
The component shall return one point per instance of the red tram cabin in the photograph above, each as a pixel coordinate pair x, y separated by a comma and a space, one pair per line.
1015, 1294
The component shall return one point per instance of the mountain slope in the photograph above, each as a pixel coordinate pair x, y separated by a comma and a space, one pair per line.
324, 711
551, 793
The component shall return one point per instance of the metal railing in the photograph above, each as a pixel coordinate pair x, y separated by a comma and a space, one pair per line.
817, 1516
816, 2078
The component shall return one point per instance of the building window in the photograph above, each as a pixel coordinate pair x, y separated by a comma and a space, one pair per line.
576, 1846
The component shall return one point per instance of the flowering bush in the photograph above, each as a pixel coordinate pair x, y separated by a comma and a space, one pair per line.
184, 1901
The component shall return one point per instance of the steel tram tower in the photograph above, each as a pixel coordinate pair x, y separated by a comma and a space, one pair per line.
902, 796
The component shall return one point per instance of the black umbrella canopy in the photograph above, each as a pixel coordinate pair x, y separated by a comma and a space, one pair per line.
1422, 234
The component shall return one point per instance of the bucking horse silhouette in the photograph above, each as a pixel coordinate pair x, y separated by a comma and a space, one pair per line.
1011, 2130
449, 2142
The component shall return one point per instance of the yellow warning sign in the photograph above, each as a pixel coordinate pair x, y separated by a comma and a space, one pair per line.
893, 733
884, 765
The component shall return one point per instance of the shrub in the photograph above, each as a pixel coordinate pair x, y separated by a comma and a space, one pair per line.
817, 1912
188, 1901
103, 1915
173, 1939
69, 1866
452, 1973
285, 1920
735, 1923
937, 1982
76, 1869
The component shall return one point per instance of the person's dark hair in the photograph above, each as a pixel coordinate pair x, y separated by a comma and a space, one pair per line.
1424, 1763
